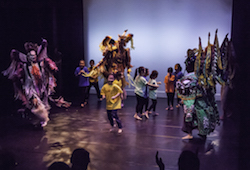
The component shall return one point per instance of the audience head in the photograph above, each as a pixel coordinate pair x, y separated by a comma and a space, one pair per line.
58, 166
80, 159
188, 161
154, 74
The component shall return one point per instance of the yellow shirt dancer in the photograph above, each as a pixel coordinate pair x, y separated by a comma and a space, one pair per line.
112, 93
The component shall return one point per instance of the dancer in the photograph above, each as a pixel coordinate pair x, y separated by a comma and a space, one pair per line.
169, 88
93, 79
152, 91
140, 88
146, 95
197, 89
178, 75
112, 93
140, 84
33, 79
83, 82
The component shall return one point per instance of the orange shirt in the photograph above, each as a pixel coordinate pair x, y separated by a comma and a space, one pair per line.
169, 83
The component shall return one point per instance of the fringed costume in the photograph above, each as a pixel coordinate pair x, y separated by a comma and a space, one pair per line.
197, 89
33, 79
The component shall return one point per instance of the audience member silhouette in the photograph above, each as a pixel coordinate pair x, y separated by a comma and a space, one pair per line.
79, 159
159, 161
59, 166
187, 161
7, 160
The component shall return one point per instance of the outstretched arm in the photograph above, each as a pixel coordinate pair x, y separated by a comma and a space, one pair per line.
159, 162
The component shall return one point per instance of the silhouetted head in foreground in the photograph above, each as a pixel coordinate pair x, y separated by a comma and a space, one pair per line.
58, 165
80, 159
188, 161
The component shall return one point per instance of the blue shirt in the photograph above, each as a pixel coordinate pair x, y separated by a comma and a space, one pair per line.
83, 81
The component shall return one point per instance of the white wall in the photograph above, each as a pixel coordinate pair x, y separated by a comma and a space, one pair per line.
163, 29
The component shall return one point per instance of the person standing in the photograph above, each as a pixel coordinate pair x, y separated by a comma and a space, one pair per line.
152, 91
93, 80
178, 75
169, 88
112, 93
83, 81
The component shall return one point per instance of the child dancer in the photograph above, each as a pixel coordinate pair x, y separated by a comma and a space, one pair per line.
140, 88
169, 88
112, 93
152, 91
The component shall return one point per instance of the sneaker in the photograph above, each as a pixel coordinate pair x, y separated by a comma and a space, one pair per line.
120, 131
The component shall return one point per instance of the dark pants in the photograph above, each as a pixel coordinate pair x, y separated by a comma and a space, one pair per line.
153, 105
170, 99
84, 94
113, 114
146, 103
96, 86
140, 103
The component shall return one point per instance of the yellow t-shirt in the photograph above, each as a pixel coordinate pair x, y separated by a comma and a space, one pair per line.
118, 82
109, 91
94, 74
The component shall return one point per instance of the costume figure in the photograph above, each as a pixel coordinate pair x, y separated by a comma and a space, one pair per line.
115, 56
197, 89
33, 79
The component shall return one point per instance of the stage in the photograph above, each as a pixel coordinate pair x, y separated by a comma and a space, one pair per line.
134, 149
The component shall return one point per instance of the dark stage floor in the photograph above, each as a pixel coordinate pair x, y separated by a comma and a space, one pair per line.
134, 149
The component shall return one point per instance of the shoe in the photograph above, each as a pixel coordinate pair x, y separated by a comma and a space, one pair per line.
137, 117
171, 108
120, 131
167, 108
187, 137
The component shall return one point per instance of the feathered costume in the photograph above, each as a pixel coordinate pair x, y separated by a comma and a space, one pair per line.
33, 79
116, 58
197, 89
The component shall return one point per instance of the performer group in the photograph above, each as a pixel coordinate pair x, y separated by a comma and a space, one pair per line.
34, 82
